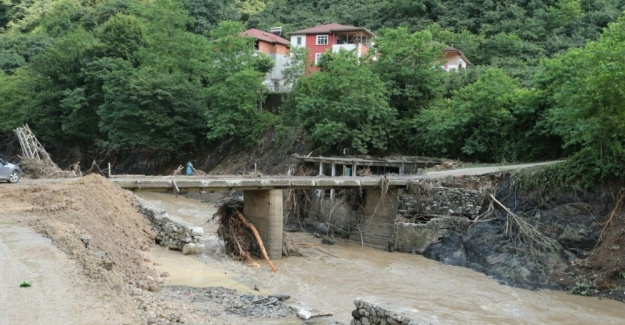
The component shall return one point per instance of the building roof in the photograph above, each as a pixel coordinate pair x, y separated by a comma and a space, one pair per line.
330, 28
449, 49
265, 36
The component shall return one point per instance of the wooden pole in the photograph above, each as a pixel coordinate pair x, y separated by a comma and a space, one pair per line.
258, 239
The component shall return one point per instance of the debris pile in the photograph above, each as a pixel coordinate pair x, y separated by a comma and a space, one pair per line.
35, 161
237, 233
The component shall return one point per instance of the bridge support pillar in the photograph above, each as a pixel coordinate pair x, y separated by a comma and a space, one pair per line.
263, 208
378, 217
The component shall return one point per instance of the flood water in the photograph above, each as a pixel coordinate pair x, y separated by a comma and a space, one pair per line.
329, 281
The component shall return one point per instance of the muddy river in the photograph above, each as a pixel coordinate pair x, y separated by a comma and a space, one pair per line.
330, 279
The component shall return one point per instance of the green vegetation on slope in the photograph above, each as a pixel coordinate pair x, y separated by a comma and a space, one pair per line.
171, 76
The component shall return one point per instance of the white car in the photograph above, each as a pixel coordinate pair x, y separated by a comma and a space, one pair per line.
9, 172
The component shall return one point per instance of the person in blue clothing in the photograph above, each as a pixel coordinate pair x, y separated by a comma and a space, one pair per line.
189, 169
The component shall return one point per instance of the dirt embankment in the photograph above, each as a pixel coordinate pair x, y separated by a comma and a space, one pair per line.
93, 263
582, 263
272, 155
96, 225
91, 220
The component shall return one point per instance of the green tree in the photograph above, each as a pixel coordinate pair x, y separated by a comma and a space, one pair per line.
298, 14
147, 110
295, 68
249, 7
345, 106
121, 37
407, 64
17, 50
60, 111
5, 15
209, 13
236, 89
151, 100
15, 99
588, 98
476, 123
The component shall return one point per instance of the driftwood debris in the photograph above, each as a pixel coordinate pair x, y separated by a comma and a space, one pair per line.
35, 161
94, 169
31, 147
518, 228
237, 233
258, 239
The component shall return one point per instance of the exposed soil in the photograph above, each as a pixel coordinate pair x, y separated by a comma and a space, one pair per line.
272, 155
97, 227
607, 261
89, 262
59, 292
583, 265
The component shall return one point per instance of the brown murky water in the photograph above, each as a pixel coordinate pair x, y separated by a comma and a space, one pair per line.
448, 294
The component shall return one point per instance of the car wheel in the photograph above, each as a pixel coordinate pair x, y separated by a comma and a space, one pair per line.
15, 177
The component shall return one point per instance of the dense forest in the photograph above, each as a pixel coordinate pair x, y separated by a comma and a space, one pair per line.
164, 77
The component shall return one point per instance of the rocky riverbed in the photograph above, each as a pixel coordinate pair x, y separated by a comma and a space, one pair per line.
211, 305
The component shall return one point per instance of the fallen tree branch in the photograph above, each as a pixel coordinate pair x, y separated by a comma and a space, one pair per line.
617, 208
258, 239
94, 169
35, 161
526, 231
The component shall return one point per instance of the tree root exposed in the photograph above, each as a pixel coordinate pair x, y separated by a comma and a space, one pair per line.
237, 233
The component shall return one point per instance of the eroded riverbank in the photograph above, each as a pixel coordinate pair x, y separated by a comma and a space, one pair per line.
96, 226
446, 294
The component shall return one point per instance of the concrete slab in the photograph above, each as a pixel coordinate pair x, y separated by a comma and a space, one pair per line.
152, 183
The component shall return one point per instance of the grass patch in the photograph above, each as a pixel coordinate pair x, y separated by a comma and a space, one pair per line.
584, 288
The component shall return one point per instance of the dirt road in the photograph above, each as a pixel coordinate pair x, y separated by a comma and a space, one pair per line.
485, 169
59, 292
113, 279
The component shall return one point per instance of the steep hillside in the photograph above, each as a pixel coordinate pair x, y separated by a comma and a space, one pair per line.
272, 155
148, 85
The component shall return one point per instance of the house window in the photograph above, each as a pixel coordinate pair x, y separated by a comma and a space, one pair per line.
299, 40
322, 39
317, 57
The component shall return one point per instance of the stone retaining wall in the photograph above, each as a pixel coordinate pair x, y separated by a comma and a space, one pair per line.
172, 233
415, 238
428, 198
441, 206
375, 312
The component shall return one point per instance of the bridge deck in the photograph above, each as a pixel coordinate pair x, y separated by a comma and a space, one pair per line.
147, 183
241, 183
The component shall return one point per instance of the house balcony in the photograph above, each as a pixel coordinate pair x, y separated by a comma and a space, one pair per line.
358, 49
454, 67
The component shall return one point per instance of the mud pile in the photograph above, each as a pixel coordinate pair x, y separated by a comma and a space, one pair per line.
95, 222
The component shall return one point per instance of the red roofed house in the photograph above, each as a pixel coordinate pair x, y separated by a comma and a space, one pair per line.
454, 59
319, 39
276, 47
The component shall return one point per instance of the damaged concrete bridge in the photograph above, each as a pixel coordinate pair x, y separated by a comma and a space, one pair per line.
263, 196
264, 199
